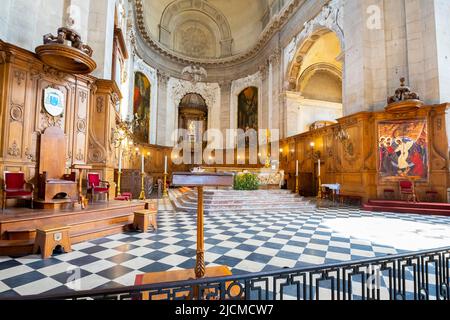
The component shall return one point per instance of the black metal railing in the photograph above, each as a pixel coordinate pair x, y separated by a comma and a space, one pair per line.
421, 275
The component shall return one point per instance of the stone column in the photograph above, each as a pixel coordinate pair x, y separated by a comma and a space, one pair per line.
101, 35
292, 103
442, 14
365, 63
275, 90
161, 133
266, 94
421, 64
225, 93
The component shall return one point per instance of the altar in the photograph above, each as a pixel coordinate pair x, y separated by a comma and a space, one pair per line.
268, 178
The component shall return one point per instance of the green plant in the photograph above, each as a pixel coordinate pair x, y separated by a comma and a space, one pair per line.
246, 181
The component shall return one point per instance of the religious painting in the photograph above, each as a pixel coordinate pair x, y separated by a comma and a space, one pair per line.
141, 108
248, 109
403, 149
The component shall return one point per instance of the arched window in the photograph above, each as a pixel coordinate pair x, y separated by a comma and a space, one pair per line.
141, 107
248, 109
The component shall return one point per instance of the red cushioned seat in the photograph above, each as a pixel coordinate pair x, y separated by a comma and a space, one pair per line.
15, 187
18, 193
101, 190
97, 186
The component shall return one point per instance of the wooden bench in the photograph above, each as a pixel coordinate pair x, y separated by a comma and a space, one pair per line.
49, 238
350, 199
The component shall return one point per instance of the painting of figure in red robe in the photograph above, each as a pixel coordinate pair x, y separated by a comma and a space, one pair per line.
403, 149
141, 108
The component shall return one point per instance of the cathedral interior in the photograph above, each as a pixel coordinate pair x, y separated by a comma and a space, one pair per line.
151, 143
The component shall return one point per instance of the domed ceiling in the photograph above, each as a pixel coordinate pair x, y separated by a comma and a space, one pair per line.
207, 29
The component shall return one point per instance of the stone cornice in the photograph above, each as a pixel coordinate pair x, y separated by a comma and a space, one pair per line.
276, 24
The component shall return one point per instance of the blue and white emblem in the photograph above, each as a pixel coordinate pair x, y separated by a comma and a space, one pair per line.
54, 102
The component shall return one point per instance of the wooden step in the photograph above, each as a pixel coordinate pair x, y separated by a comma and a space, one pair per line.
21, 234
16, 248
87, 235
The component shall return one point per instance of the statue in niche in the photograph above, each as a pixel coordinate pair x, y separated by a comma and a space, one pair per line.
141, 108
248, 109
192, 130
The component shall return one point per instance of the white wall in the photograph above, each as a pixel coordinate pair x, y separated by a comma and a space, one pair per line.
26, 22
442, 9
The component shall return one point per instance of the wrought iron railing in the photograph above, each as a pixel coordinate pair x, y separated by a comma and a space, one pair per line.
421, 275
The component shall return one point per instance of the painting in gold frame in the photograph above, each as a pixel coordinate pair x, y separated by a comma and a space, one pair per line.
403, 149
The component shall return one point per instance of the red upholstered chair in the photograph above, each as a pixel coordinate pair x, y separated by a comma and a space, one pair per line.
97, 186
406, 189
15, 187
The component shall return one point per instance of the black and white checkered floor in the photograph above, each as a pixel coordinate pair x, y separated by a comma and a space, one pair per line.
245, 241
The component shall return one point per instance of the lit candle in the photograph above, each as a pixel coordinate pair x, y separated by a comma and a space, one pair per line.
120, 161
165, 164
296, 168
143, 163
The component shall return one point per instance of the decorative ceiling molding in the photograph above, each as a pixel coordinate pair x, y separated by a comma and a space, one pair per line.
176, 13
277, 23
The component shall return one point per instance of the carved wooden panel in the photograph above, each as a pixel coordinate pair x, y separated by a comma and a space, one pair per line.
352, 161
23, 80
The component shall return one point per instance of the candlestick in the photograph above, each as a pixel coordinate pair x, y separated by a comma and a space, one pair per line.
165, 165
165, 191
119, 176
142, 195
319, 195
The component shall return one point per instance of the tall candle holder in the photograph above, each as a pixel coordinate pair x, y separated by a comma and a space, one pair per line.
119, 179
315, 156
142, 195
320, 194
297, 184
165, 191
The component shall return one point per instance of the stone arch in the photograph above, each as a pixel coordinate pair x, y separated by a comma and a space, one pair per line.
321, 83
200, 7
210, 92
306, 43
319, 71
